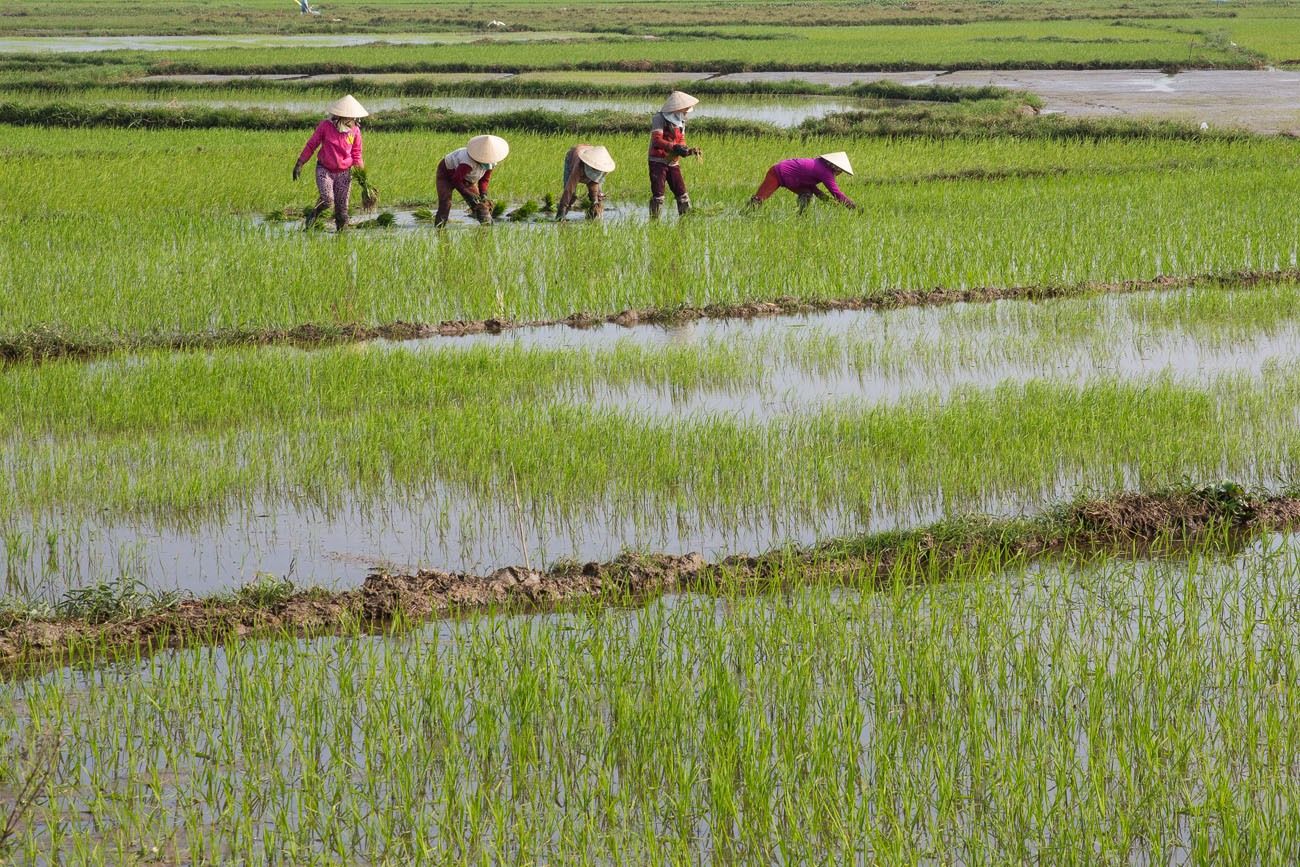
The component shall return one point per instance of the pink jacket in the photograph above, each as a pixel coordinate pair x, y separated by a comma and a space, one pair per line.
338, 150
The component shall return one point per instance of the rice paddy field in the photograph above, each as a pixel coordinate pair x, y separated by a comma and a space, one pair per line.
954, 529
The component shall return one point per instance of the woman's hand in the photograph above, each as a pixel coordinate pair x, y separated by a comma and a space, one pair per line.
297, 170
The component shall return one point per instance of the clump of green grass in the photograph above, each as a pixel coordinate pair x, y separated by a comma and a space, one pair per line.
17, 608
113, 600
265, 591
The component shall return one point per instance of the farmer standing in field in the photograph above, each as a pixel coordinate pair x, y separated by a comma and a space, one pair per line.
585, 164
805, 177
467, 171
339, 140
667, 147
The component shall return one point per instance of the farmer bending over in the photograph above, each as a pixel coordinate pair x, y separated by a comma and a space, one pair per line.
468, 171
802, 178
339, 140
667, 147
585, 164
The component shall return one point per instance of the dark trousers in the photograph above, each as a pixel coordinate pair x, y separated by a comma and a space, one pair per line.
662, 174
446, 188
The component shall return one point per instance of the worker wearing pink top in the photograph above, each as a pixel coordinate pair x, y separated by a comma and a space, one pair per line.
338, 138
805, 177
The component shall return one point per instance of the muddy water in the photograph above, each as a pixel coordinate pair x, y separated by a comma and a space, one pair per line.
881, 357
1265, 101
405, 219
779, 111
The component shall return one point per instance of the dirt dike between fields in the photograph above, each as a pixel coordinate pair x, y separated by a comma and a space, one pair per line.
1129, 524
44, 344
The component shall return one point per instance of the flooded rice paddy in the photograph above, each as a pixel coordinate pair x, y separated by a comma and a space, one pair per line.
413, 219
782, 111
698, 727
786, 368
1263, 101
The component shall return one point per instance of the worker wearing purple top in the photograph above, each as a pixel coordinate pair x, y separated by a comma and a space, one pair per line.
805, 177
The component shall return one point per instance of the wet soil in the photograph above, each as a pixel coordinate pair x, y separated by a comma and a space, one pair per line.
1260, 100
43, 344
1124, 524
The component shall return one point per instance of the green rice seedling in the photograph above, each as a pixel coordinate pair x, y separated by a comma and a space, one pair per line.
385, 220
523, 212
934, 214
423, 215
369, 192
821, 724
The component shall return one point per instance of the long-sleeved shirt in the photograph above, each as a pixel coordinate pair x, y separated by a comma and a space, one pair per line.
574, 174
467, 175
338, 150
803, 176
663, 137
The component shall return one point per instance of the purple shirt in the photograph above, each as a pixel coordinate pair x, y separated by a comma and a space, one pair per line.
803, 176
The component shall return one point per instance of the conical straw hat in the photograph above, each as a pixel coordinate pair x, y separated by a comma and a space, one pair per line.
347, 107
598, 158
678, 101
488, 148
840, 160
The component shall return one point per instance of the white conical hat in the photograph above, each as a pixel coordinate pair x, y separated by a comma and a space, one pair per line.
598, 158
678, 101
840, 160
347, 107
488, 148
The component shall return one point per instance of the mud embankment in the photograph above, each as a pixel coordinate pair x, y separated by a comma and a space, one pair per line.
45, 344
1126, 524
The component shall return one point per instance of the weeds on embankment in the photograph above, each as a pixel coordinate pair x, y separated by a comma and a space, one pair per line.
123, 617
